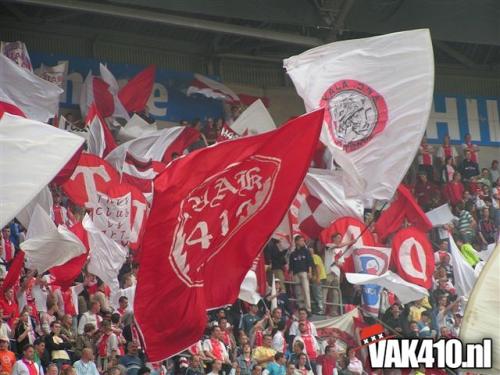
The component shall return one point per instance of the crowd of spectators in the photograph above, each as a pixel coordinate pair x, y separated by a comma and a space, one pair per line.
45, 329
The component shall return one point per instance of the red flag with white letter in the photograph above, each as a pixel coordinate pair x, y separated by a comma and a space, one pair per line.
413, 256
91, 175
213, 211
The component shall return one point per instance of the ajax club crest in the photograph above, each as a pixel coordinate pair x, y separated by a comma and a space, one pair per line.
216, 210
355, 113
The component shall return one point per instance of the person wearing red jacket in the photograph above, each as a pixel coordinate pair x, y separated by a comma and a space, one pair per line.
454, 190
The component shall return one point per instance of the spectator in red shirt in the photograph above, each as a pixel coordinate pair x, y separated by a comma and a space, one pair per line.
454, 189
10, 307
425, 191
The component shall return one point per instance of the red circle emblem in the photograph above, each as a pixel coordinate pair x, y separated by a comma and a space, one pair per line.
355, 113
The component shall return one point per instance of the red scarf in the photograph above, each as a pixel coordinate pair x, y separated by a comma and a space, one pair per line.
31, 367
327, 366
259, 338
309, 346
447, 151
473, 153
69, 308
7, 248
102, 347
135, 336
217, 349
226, 339
426, 156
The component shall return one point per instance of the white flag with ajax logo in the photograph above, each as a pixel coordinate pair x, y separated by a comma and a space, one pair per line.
378, 94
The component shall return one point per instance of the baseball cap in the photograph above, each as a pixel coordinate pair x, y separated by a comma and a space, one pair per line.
4, 338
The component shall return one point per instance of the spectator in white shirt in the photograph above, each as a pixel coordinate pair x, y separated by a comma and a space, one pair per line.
86, 365
27, 365
90, 316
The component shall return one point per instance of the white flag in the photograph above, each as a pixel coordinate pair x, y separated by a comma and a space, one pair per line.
47, 246
248, 289
36, 97
405, 291
481, 312
136, 127
440, 215
254, 120
463, 273
43, 199
152, 146
110, 79
378, 95
55, 74
106, 256
96, 143
327, 187
31, 155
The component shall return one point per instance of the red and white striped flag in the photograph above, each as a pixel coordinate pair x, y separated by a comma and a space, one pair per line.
141, 174
211, 89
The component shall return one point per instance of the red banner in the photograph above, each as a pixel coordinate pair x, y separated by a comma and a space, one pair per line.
413, 256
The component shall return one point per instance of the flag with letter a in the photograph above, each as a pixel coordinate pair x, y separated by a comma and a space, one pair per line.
377, 95
212, 213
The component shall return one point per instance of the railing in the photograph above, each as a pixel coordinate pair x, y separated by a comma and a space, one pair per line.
333, 288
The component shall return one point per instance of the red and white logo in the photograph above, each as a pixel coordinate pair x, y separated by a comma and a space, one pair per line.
355, 113
217, 210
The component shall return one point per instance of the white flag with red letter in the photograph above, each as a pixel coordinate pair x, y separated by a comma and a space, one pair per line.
31, 155
37, 98
106, 256
18, 53
55, 74
377, 93
197, 243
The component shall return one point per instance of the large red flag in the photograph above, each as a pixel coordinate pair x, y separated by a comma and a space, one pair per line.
404, 207
135, 94
212, 213
413, 257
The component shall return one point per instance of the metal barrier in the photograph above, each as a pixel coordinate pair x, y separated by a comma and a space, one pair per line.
334, 289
